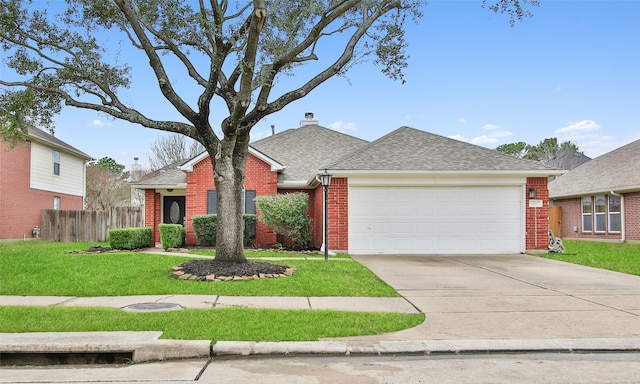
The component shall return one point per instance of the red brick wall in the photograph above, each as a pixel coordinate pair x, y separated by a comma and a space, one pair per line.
19, 204
572, 217
632, 215
338, 215
318, 215
537, 219
152, 215
259, 177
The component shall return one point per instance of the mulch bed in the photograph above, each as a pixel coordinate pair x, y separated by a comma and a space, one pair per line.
212, 270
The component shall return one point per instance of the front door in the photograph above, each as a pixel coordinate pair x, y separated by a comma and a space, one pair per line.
174, 210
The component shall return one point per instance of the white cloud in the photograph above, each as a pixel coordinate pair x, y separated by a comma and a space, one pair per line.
461, 120
491, 138
458, 137
97, 123
490, 127
579, 128
341, 126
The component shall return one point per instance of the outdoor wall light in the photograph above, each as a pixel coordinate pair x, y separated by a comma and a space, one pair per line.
532, 193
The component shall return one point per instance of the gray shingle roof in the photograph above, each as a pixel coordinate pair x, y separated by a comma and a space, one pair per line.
410, 149
618, 170
168, 176
306, 149
42, 136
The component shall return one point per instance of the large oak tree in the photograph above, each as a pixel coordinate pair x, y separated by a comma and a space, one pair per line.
233, 51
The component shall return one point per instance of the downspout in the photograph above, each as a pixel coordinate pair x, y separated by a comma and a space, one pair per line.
622, 227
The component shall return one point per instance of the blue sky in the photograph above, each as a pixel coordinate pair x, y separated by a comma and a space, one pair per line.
571, 72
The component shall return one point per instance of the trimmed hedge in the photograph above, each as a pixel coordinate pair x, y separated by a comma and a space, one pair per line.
130, 238
206, 226
171, 235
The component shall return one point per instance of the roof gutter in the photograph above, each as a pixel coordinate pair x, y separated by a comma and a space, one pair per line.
629, 189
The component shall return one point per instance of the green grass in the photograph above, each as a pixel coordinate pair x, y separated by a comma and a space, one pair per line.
208, 324
619, 257
46, 268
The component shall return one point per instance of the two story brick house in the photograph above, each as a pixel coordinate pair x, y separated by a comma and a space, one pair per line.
41, 172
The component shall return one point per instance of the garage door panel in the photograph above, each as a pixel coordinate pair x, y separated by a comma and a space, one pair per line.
413, 220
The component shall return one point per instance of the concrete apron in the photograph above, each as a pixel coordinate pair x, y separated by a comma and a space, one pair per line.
503, 297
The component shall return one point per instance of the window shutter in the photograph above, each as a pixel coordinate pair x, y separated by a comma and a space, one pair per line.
249, 204
211, 202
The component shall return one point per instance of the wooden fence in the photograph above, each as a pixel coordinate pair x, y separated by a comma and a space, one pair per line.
64, 225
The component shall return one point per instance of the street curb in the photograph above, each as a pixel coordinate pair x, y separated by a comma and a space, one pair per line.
144, 346
424, 347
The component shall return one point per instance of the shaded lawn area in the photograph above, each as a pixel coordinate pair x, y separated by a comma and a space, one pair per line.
619, 257
232, 324
47, 268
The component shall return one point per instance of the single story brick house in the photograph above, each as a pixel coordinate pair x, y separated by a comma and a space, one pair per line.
600, 200
409, 192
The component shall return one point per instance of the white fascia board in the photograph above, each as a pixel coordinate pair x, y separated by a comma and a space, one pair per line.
295, 185
275, 166
386, 173
159, 186
607, 191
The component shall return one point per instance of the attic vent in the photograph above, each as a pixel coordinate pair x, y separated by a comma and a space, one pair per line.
308, 120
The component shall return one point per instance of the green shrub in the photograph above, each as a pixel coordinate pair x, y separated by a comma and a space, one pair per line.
130, 238
171, 235
250, 222
205, 227
287, 214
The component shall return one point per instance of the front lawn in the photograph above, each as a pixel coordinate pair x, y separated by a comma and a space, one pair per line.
619, 257
230, 324
47, 268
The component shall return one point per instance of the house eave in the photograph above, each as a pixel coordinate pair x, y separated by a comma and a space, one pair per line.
296, 185
574, 194
275, 166
159, 186
522, 173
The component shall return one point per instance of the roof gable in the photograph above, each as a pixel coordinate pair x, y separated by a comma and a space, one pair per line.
410, 149
43, 137
306, 149
618, 170
275, 166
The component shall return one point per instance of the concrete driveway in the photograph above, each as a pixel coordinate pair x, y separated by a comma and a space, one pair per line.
510, 297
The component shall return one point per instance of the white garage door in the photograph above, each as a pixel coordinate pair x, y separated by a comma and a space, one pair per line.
435, 220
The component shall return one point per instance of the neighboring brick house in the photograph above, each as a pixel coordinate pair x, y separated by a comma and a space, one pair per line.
41, 172
600, 200
410, 192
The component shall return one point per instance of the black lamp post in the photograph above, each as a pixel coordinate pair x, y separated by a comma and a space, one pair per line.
325, 179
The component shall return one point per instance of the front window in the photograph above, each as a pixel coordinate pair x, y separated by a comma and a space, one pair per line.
56, 163
601, 213
615, 223
587, 211
56, 202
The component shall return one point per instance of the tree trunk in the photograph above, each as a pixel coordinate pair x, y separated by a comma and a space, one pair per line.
229, 170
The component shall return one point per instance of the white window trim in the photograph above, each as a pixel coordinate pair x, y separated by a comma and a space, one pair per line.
583, 214
56, 154
597, 214
610, 214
